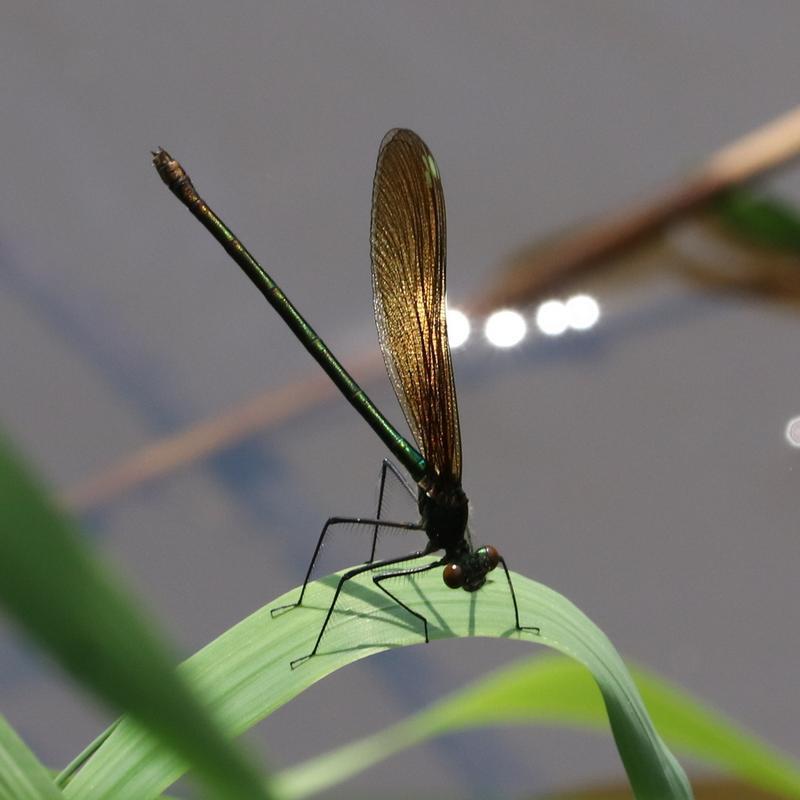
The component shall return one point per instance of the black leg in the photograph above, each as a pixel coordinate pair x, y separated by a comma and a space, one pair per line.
514, 601
346, 577
386, 466
378, 579
407, 526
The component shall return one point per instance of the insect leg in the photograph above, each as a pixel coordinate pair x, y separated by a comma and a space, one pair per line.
378, 579
346, 577
411, 526
386, 466
532, 628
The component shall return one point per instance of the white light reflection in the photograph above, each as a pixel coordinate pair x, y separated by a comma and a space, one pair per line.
582, 312
458, 327
793, 432
505, 328
551, 318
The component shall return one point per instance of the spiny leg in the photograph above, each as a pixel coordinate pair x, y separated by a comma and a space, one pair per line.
378, 579
352, 573
532, 628
408, 526
386, 466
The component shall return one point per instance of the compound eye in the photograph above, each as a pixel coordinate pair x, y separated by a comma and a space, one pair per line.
492, 555
453, 576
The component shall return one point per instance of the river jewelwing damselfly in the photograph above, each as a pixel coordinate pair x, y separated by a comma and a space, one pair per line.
408, 248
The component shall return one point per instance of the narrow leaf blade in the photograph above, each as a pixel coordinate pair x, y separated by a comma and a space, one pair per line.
759, 219
55, 591
22, 777
554, 690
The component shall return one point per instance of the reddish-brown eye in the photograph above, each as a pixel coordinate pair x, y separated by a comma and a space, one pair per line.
492, 555
453, 576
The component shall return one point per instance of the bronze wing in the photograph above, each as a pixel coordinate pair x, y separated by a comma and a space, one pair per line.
408, 240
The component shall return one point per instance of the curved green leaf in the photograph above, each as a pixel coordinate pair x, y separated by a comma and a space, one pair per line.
244, 674
554, 690
59, 595
22, 777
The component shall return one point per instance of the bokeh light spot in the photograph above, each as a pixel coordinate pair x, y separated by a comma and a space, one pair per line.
551, 318
458, 327
582, 312
505, 328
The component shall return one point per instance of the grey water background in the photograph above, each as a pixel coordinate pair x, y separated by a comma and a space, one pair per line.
640, 469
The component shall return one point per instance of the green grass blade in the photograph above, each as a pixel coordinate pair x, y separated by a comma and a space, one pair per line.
688, 725
59, 596
554, 690
759, 219
22, 777
66, 774
244, 674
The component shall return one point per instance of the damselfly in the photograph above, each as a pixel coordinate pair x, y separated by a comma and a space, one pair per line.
408, 278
